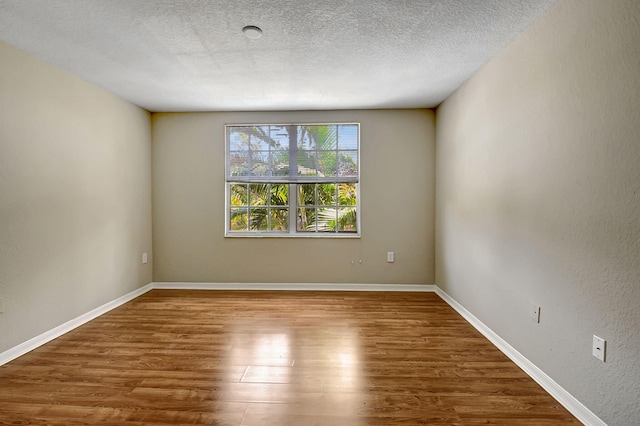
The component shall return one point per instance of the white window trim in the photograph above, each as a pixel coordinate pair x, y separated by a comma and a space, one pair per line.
293, 233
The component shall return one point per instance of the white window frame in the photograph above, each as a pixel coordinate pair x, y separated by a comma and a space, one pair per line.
292, 194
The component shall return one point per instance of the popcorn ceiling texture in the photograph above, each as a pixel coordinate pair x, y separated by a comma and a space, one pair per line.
177, 55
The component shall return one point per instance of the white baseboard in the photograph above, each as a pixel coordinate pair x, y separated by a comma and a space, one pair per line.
574, 406
293, 286
58, 331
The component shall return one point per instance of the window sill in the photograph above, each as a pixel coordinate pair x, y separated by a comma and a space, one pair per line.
283, 235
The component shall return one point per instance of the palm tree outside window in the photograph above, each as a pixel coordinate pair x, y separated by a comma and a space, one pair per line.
292, 180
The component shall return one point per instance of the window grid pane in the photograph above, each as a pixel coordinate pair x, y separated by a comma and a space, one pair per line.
239, 219
279, 219
320, 207
333, 210
258, 219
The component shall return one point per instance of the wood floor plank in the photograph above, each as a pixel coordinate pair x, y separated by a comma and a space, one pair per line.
274, 358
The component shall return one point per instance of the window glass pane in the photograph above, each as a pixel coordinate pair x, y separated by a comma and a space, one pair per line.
307, 137
279, 219
327, 220
238, 140
326, 194
249, 138
348, 163
259, 219
239, 163
259, 138
279, 163
306, 194
348, 136
307, 163
327, 163
279, 195
259, 194
238, 194
238, 219
327, 137
279, 137
306, 220
347, 194
260, 163
347, 219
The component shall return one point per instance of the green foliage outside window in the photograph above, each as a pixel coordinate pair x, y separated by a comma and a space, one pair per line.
303, 177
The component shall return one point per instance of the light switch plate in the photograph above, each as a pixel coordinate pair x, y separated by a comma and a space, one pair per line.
599, 348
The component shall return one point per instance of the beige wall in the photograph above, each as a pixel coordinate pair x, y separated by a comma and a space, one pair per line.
538, 198
75, 204
397, 210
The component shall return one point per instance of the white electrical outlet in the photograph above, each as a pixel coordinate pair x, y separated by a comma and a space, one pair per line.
535, 313
599, 348
145, 258
391, 257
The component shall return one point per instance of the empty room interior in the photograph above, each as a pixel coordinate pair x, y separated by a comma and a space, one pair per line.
479, 222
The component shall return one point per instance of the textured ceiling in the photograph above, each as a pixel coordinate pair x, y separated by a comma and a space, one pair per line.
191, 55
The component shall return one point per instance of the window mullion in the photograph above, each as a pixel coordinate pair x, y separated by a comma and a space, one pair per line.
293, 152
336, 204
248, 207
249, 154
293, 208
293, 173
268, 207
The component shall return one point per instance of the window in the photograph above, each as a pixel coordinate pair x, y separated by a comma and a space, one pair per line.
292, 180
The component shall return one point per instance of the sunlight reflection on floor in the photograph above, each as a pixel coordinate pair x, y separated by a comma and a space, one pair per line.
289, 372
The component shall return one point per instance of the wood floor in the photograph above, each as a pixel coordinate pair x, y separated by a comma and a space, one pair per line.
274, 358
